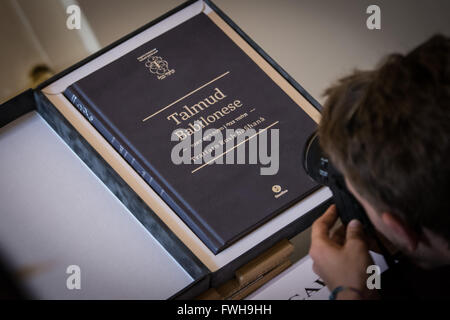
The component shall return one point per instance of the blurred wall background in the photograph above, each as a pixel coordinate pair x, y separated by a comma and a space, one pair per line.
316, 41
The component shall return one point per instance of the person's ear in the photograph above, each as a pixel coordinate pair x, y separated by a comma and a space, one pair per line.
401, 230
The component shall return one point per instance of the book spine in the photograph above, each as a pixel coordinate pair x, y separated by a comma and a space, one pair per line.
71, 95
80, 105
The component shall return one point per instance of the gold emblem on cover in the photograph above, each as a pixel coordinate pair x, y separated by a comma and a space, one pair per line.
276, 188
156, 64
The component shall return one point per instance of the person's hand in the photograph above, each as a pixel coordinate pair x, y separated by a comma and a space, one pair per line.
341, 258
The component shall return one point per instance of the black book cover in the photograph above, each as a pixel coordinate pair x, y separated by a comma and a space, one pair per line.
137, 101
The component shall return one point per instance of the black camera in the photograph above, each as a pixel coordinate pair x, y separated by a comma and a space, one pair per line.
319, 167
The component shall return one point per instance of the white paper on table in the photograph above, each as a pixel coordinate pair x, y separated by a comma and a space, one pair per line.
299, 282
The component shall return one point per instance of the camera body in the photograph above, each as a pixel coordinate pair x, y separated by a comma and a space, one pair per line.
319, 167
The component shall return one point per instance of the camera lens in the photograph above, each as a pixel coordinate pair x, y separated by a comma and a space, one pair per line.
315, 163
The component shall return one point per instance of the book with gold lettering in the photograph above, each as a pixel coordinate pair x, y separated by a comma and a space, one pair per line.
206, 125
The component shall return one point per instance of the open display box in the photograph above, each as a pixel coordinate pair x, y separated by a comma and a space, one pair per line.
203, 268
